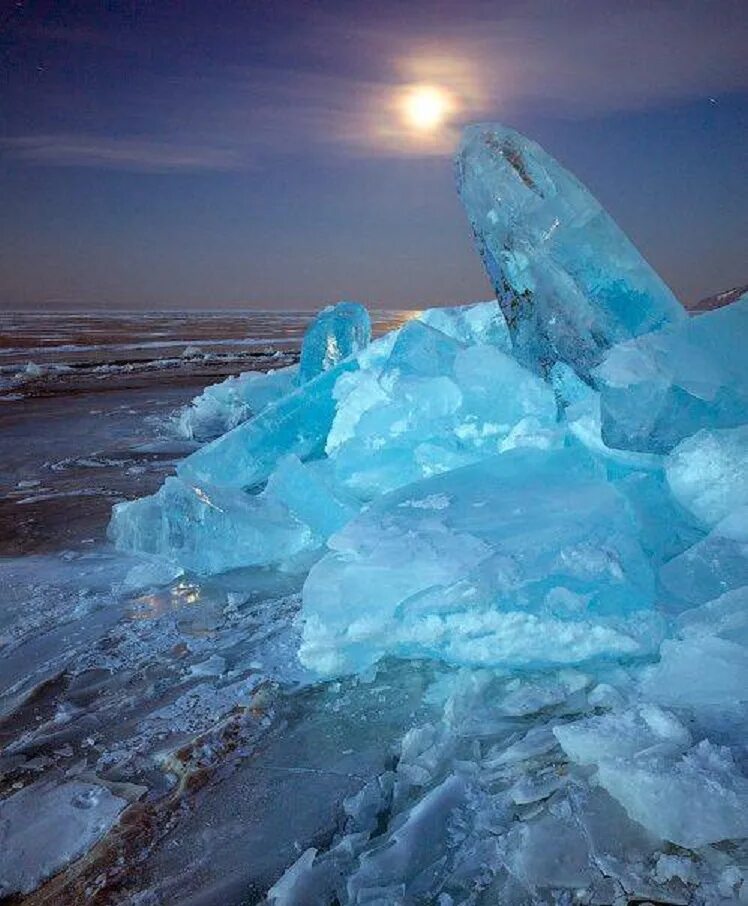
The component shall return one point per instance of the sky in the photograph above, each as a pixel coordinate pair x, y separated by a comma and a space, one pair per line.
255, 153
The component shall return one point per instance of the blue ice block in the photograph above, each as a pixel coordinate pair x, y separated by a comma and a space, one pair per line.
571, 284
337, 332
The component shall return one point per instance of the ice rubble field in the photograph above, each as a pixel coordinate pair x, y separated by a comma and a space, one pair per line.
547, 495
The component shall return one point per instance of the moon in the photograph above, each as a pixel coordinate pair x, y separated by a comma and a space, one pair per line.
426, 107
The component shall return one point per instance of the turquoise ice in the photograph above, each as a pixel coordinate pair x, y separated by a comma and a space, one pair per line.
535, 506
528, 558
570, 282
337, 332
223, 406
297, 423
660, 388
436, 404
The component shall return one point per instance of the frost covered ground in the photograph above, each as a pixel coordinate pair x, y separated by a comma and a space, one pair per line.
455, 617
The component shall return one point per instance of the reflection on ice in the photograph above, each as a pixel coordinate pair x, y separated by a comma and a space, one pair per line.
151, 606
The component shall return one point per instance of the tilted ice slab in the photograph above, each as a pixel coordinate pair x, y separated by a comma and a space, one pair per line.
223, 406
337, 332
570, 282
660, 388
297, 424
528, 558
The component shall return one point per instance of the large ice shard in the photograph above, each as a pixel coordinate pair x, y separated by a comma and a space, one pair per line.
527, 558
660, 388
297, 424
570, 282
337, 332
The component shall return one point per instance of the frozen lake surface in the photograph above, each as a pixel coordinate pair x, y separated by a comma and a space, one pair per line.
103, 685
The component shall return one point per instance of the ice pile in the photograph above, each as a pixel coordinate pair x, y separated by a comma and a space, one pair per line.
473, 509
553, 481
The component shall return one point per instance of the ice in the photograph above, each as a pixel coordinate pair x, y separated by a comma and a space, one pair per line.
406, 864
525, 558
706, 664
687, 795
551, 852
46, 826
660, 388
435, 405
526, 521
482, 322
699, 798
708, 473
221, 407
623, 734
311, 495
250, 498
711, 567
569, 281
210, 530
337, 332
296, 424
413, 404
699, 671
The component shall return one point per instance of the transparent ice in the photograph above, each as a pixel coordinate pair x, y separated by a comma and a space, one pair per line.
660, 388
570, 282
223, 406
337, 332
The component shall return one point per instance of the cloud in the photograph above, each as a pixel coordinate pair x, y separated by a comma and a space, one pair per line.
572, 59
334, 89
120, 154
